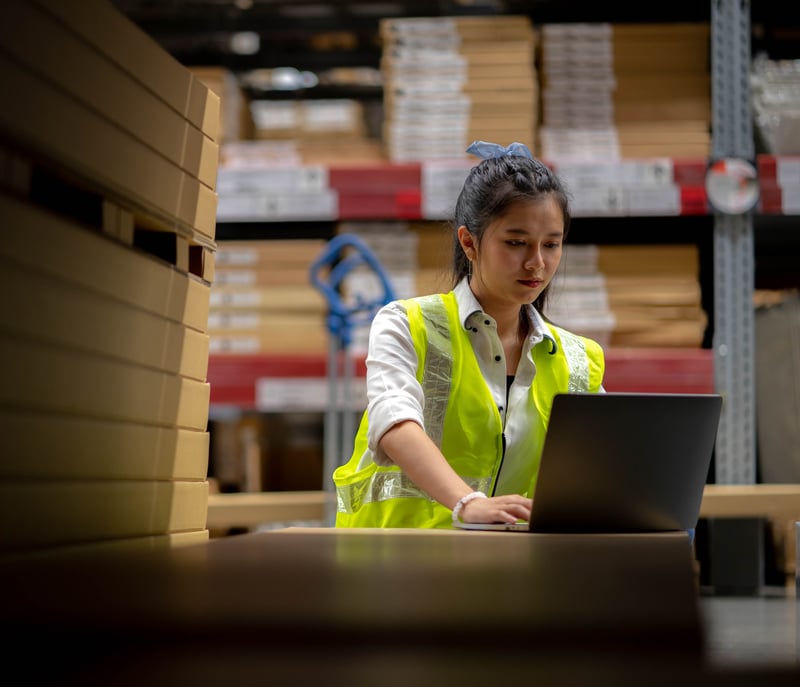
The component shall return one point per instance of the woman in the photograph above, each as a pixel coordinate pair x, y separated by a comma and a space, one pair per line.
460, 385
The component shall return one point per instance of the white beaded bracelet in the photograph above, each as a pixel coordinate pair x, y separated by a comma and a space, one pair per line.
463, 501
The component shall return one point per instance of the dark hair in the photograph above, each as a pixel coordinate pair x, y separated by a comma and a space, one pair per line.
491, 188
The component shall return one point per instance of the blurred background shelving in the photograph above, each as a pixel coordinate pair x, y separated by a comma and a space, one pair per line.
306, 97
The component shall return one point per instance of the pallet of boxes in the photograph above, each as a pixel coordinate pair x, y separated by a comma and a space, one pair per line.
613, 91
451, 80
108, 161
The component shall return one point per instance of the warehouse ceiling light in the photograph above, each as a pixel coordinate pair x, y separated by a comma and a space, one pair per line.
245, 42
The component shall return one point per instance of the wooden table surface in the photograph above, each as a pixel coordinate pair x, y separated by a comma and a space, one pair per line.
361, 607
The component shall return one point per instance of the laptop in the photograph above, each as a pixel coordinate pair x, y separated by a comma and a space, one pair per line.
622, 462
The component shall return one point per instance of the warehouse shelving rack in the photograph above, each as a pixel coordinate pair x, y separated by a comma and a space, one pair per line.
730, 362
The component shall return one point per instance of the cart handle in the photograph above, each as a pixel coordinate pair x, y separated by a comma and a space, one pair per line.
342, 317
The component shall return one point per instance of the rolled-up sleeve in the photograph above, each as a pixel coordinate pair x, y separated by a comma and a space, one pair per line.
393, 393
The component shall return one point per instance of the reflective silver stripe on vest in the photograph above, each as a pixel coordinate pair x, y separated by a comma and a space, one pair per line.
387, 485
437, 372
577, 360
380, 486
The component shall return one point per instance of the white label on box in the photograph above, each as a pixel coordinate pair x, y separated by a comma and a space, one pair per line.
657, 172
450, 102
413, 26
292, 394
238, 344
250, 298
423, 88
241, 207
235, 256
790, 199
306, 178
271, 115
230, 320
429, 59
235, 277
571, 31
654, 200
442, 181
608, 200
787, 171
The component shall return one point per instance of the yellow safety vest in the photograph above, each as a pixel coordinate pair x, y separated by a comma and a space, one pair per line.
460, 416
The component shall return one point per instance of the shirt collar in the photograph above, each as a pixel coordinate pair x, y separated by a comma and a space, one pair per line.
468, 306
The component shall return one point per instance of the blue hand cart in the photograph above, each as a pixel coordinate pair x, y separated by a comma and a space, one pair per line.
342, 255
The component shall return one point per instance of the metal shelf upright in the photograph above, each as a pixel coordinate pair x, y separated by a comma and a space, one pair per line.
733, 342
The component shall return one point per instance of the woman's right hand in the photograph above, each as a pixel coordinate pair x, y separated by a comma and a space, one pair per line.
510, 509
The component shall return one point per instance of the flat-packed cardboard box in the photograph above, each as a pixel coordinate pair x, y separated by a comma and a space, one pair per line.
777, 360
236, 121
51, 379
676, 290
311, 338
104, 27
305, 298
50, 244
268, 255
464, 29
645, 150
57, 513
628, 75
654, 294
53, 125
659, 334
274, 206
434, 244
46, 446
696, 84
55, 311
61, 57
442, 74
272, 276
651, 259
662, 134
429, 280
679, 47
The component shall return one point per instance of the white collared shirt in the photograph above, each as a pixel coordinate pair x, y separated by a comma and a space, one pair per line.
394, 395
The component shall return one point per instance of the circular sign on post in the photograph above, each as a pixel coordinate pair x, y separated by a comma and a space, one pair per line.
732, 185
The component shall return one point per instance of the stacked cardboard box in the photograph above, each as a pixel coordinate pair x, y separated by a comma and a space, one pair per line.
777, 332
236, 121
612, 91
263, 299
108, 155
655, 295
332, 149
451, 80
434, 256
635, 186
322, 119
578, 299
631, 295
270, 189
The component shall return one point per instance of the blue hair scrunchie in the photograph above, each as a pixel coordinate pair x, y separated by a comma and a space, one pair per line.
486, 150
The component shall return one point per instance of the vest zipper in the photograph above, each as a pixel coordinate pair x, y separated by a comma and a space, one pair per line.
509, 382
499, 467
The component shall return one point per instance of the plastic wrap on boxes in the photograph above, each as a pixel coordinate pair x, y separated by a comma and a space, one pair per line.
776, 104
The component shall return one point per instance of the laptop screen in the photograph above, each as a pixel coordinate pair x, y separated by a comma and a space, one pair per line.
625, 462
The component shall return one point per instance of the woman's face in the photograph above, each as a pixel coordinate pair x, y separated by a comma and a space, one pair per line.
518, 254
